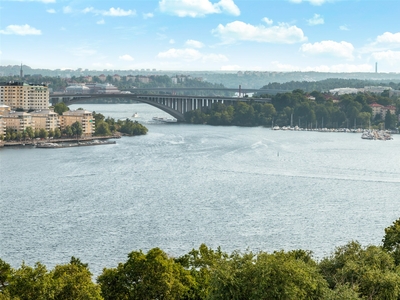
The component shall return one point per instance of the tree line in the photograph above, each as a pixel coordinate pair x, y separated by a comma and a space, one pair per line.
329, 84
306, 110
350, 272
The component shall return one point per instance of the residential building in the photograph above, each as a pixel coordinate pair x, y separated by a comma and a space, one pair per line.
102, 77
143, 79
82, 116
116, 77
4, 109
18, 120
46, 119
378, 109
23, 95
377, 89
343, 91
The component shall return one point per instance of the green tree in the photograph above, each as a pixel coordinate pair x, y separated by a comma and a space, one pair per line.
76, 129
68, 131
102, 128
30, 283
60, 108
74, 281
30, 132
145, 276
391, 240
5, 275
369, 271
280, 275
57, 133
43, 133
390, 120
200, 263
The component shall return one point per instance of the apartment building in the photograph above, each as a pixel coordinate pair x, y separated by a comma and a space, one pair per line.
23, 95
18, 120
46, 119
378, 109
82, 116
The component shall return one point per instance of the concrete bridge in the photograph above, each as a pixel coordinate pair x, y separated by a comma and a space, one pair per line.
176, 106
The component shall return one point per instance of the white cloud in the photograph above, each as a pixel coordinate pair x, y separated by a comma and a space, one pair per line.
268, 21
51, 11
148, 16
118, 12
316, 20
126, 57
392, 57
100, 22
382, 43
194, 44
67, 9
112, 12
228, 6
313, 2
190, 55
344, 28
389, 38
198, 8
21, 30
88, 10
342, 49
240, 31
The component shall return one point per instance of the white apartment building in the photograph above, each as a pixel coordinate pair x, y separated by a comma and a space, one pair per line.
25, 96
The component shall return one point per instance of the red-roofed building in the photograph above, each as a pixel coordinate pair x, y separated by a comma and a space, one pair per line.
378, 109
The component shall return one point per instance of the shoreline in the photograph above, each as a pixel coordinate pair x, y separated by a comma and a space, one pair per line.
61, 140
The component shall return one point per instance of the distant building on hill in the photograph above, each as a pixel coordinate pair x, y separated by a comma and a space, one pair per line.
381, 110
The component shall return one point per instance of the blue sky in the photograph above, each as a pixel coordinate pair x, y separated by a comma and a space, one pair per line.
263, 35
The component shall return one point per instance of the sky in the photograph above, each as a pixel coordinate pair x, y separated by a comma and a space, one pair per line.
198, 35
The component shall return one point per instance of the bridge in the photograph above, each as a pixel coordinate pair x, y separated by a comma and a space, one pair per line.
239, 90
174, 105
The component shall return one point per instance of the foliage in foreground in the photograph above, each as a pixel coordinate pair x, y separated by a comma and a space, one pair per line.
351, 272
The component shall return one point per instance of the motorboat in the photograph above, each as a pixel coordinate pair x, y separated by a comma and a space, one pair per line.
165, 120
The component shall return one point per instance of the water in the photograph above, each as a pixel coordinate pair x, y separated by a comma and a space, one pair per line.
182, 185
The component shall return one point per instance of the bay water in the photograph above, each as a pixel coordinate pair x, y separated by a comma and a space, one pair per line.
182, 185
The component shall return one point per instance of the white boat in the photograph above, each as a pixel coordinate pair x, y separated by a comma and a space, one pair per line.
165, 120
135, 115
